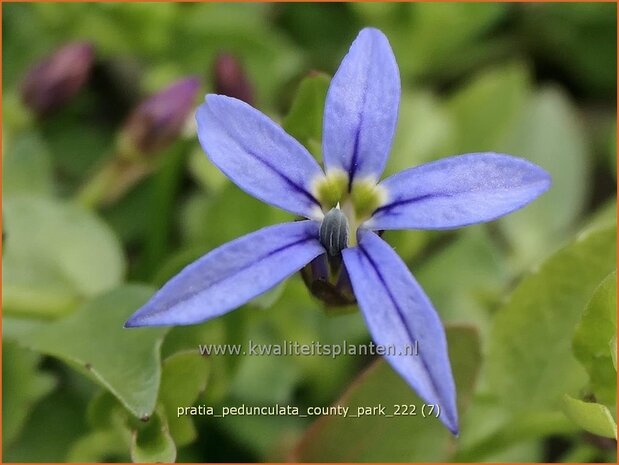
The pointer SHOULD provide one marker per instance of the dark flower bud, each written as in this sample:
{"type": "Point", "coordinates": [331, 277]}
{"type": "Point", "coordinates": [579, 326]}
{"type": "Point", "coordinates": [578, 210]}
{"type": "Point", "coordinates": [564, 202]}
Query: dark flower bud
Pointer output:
{"type": "Point", "coordinates": [327, 280]}
{"type": "Point", "coordinates": [53, 81]}
{"type": "Point", "coordinates": [159, 120]}
{"type": "Point", "coordinates": [230, 78]}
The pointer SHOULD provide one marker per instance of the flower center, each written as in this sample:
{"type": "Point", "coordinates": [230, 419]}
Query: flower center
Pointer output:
{"type": "Point", "coordinates": [334, 232]}
{"type": "Point", "coordinates": [346, 208]}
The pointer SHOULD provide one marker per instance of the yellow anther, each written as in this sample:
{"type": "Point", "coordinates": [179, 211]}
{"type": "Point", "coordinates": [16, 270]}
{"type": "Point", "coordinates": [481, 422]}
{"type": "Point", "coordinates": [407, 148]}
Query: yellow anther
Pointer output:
{"type": "Point", "coordinates": [329, 190]}
{"type": "Point", "coordinates": [366, 196]}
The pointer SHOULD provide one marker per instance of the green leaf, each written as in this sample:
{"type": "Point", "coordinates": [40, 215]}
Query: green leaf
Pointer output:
{"type": "Point", "coordinates": [124, 361]}
{"type": "Point", "coordinates": [489, 431]}
{"type": "Point", "coordinates": [116, 432]}
{"type": "Point", "coordinates": [55, 255]}
{"type": "Point", "coordinates": [304, 120]}
{"type": "Point", "coordinates": [26, 166]}
{"type": "Point", "coordinates": [550, 134]}
{"type": "Point", "coordinates": [576, 38]}
{"type": "Point", "coordinates": [105, 412]}
{"type": "Point", "coordinates": [152, 442]}
{"type": "Point", "coordinates": [613, 351]}
{"type": "Point", "coordinates": [75, 143]}
{"type": "Point", "coordinates": [486, 108]}
{"type": "Point", "coordinates": [265, 380]}
{"type": "Point", "coordinates": [425, 132]}
{"type": "Point", "coordinates": [210, 222]}
{"type": "Point", "coordinates": [217, 331]}
{"type": "Point", "coordinates": [604, 216]}
{"type": "Point", "coordinates": [205, 172]}
{"type": "Point", "coordinates": [183, 378]}
{"type": "Point", "coordinates": [421, 48]}
{"type": "Point", "coordinates": [188, 338]}
{"type": "Point", "coordinates": [593, 340]}
{"type": "Point", "coordinates": [396, 439]}
{"type": "Point", "coordinates": [52, 427]}
{"type": "Point", "coordinates": [408, 244]}
{"type": "Point", "coordinates": [16, 328]}
{"type": "Point", "coordinates": [24, 385]}
{"type": "Point", "coordinates": [298, 317]}
{"type": "Point", "coordinates": [530, 364]}
{"type": "Point", "coordinates": [97, 447]}
{"type": "Point", "coordinates": [475, 269]}
{"type": "Point", "coordinates": [590, 416]}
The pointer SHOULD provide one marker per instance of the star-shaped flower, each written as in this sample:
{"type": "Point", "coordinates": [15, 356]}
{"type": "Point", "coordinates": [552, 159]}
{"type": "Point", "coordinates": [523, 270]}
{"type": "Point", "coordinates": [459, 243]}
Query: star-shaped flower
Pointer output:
{"type": "Point", "coordinates": [344, 205]}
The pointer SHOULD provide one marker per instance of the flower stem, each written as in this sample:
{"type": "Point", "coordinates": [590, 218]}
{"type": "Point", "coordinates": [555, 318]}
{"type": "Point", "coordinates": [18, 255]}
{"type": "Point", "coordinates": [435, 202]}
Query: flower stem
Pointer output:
{"type": "Point", "coordinates": [113, 179]}
{"type": "Point", "coordinates": [163, 191]}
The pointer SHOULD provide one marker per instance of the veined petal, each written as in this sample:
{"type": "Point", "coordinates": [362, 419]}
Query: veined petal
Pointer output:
{"type": "Point", "coordinates": [398, 314]}
{"type": "Point", "coordinates": [458, 191]}
{"type": "Point", "coordinates": [232, 274]}
{"type": "Point", "coordinates": [258, 155]}
{"type": "Point", "coordinates": [361, 109]}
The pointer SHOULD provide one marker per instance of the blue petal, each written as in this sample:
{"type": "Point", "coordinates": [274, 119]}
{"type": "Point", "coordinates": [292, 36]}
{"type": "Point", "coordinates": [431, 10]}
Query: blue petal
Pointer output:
{"type": "Point", "coordinates": [458, 191]}
{"type": "Point", "coordinates": [361, 109]}
{"type": "Point", "coordinates": [230, 275]}
{"type": "Point", "coordinates": [258, 155]}
{"type": "Point", "coordinates": [398, 313]}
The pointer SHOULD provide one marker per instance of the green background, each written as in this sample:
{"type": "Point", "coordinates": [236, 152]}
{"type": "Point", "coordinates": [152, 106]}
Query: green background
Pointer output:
{"type": "Point", "coordinates": [528, 301]}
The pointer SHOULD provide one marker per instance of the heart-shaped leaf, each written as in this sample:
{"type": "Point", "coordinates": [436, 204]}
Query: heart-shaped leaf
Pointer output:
{"type": "Point", "coordinates": [124, 361]}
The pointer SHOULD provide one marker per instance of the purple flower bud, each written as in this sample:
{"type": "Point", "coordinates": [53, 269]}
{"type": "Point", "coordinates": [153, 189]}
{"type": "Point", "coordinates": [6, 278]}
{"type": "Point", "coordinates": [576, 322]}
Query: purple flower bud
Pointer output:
{"type": "Point", "coordinates": [56, 79]}
{"type": "Point", "coordinates": [158, 121]}
{"type": "Point", "coordinates": [231, 79]}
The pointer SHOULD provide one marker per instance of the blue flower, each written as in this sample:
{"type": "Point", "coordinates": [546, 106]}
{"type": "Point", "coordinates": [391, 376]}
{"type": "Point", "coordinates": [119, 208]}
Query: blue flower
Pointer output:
{"type": "Point", "coordinates": [344, 206]}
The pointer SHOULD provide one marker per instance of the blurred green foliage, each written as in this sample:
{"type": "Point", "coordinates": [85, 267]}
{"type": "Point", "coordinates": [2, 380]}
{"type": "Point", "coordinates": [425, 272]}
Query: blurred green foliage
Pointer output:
{"type": "Point", "coordinates": [336, 438]}
{"type": "Point", "coordinates": [593, 340]}
{"type": "Point", "coordinates": [528, 300]}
